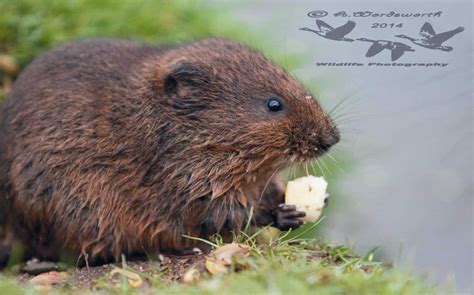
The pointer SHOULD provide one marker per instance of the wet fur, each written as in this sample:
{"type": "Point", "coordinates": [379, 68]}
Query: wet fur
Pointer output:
{"type": "Point", "coordinates": [111, 147]}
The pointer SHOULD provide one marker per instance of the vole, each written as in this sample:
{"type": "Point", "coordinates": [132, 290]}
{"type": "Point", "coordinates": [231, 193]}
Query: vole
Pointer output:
{"type": "Point", "coordinates": [111, 147]}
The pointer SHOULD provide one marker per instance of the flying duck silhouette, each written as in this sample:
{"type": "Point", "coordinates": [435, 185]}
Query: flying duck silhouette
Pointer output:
{"type": "Point", "coordinates": [328, 32]}
{"type": "Point", "coordinates": [397, 48]}
{"type": "Point", "coordinates": [429, 38]}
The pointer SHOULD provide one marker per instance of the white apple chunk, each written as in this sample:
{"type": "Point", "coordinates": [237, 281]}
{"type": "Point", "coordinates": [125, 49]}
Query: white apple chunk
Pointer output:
{"type": "Point", "coordinates": [307, 194]}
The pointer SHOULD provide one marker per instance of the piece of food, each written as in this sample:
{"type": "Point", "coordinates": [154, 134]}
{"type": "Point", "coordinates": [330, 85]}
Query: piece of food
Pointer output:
{"type": "Point", "coordinates": [307, 194]}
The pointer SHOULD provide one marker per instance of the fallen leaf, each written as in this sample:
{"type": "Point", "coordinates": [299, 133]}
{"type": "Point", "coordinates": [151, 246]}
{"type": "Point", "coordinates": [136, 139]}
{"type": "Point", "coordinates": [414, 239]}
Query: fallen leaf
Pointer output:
{"type": "Point", "coordinates": [134, 280]}
{"type": "Point", "coordinates": [220, 258]}
{"type": "Point", "coordinates": [49, 278]}
{"type": "Point", "coordinates": [229, 251]}
{"type": "Point", "coordinates": [215, 267]}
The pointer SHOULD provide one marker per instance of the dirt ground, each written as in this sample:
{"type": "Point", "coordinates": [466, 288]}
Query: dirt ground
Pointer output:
{"type": "Point", "coordinates": [88, 278]}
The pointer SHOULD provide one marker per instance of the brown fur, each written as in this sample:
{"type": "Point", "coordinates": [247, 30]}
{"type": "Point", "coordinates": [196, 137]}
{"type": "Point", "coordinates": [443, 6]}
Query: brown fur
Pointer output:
{"type": "Point", "coordinates": [111, 147]}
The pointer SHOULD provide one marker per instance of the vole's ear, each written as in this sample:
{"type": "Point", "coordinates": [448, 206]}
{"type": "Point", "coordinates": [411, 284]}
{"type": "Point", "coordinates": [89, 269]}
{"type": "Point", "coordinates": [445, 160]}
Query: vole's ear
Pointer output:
{"type": "Point", "coordinates": [183, 74]}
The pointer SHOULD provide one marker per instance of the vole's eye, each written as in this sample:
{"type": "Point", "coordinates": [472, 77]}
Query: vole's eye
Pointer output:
{"type": "Point", "coordinates": [274, 104]}
{"type": "Point", "coordinates": [170, 83]}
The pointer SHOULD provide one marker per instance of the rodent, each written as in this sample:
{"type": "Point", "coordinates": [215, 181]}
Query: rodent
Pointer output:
{"type": "Point", "coordinates": [111, 147]}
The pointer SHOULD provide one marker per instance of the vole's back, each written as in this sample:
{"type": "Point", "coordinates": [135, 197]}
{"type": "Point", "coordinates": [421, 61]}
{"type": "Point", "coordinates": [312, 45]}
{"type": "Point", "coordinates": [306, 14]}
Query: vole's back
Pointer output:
{"type": "Point", "coordinates": [90, 69]}
{"type": "Point", "coordinates": [65, 119]}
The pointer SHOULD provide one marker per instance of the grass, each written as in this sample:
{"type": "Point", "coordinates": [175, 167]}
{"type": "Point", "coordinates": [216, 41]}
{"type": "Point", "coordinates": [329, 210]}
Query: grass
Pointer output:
{"type": "Point", "coordinates": [29, 27]}
{"type": "Point", "coordinates": [283, 266]}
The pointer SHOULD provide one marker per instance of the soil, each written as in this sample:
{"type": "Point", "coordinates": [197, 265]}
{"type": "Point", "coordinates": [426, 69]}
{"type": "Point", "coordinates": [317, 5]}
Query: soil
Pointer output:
{"type": "Point", "coordinates": [168, 268]}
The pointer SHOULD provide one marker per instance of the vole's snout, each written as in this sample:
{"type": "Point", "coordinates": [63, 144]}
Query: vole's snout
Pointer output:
{"type": "Point", "coordinates": [329, 138]}
{"type": "Point", "coordinates": [322, 138]}
{"type": "Point", "coordinates": [310, 140]}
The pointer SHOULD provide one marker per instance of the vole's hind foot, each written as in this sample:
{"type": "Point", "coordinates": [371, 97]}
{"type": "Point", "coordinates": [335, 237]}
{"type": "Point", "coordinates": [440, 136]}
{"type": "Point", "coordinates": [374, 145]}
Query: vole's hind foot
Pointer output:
{"type": "Point", "coordinates": [286, 217]}
{"type": "Point", "coordinates": [4, 255]}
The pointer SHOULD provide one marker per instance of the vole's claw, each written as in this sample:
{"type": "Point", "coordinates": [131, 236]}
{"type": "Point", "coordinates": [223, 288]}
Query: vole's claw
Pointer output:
{"type": "Point", "coordinates": [286, 217]}
{"type": "Point", "coordinates": [293, 214]}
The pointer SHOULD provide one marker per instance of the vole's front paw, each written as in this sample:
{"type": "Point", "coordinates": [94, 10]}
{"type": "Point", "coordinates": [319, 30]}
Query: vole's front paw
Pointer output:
{"type": "Point", "coordinates": [286, 217]}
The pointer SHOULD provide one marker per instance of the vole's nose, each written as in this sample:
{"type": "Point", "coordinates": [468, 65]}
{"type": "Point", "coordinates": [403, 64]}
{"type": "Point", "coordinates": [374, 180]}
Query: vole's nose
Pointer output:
{"type": "Point", "coordinates": [328, 138]}
{"type": "Point", "coordinates": [334, 136]}
{"type": "Point", "coordinates": [314, 139]}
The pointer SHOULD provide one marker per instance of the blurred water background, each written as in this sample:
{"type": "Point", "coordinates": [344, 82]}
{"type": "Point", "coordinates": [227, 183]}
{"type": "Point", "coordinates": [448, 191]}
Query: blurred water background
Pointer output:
{"type": "Point", "coordinates": [407, 131]}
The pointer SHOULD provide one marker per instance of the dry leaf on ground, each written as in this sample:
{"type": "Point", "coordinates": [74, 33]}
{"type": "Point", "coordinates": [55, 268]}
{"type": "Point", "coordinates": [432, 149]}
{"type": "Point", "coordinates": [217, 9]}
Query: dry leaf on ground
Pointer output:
{"type": "Point", "coordinates": [229, 251]}
{"type": "Point", "coordinates": [134, 280]}
{"type": "Point", "coordinates": [49, 278]}
{"type": "Point", "coordinates": [220, 258]}
{"type": "Point", "coordinates": [215, 267]}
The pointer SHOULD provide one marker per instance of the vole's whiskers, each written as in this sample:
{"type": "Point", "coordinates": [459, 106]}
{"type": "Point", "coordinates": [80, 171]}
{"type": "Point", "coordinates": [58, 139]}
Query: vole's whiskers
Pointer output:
{"type": "Point", "coordinates": [326, 167]}
{"type": "Point", "coordinates": [343, 102]}
{"type": "Point", "coordinates": [336, 163]}
{"type": "Point", "coordinates": [344, 113]}
{"type": "Point", "coordinates": [339, 104]}
{"type": "Point", "coordinates": [313, 169]}
{"type": "Point", "coordinates": [268, 182]}
{"type": "Point", "coordinates": [348, 117]}
{"type": "Point", "coordinates": [320, 169]}
{"type": "Point", "coordinates": [352, 130]}
{"type": "Point", "coordinates": [294, 171]}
